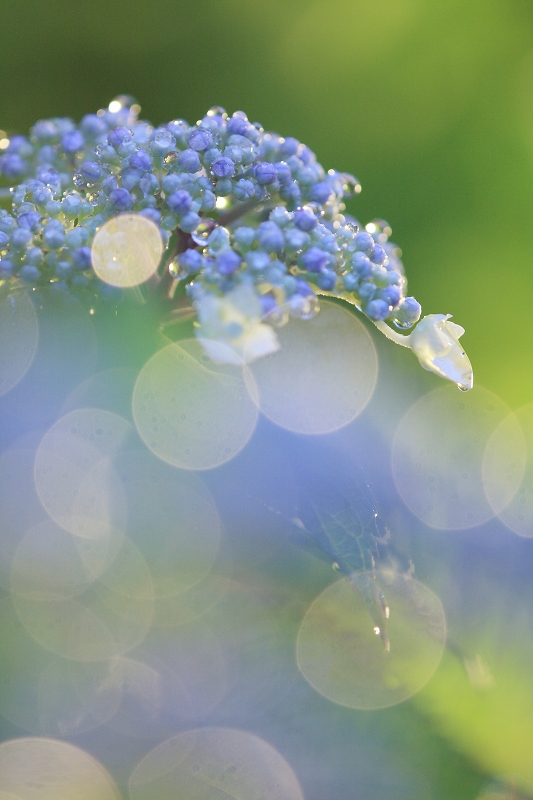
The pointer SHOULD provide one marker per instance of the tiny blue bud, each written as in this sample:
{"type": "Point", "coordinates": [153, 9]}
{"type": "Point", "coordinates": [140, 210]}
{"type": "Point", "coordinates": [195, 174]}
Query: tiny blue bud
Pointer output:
{"type": "Point", "coordinates": [116, 136]}
{"type": "Point", "coordinates": [109, 184]}
{"type": "Point", "coordinates": [257, 260]}
{"type": "Point", "coordinates": [152, 214]}
{"type": "Point", "coordinates": [191, 261]}
{"type": "Point", "coordinates": [91, 170]}
{"type": "Point", "coordinates": [53, 208]}
{"type": "Point", "coordinates": [314, 260]}
{"type": "Point", "coordinates": [280, 216]}
{"type": "Point", "coordinates": [81, 258]}
{"type": "Point", "coordinates": [72, 141]}
{"type": "Point", "coordinates": [20, 238]}
{"type": "Point", "coordinates": [189, 161]}
{"type": "Point", "coordinates": [92, 125]}
{"type": "Point", "coordinates": [296, 239]}
{"type": "Point", "coordinates": [200, 139]}
{"type": "Point", "coordinates": [350, 282]}
{"type": "Point", "coordinates": [391, 295]}
{"type": "Point", "coordinates": [367, 291]}
{"type": "Point", "coordinates": [361, 265]}
{"type": "Point", "coordinates": [6, 267]}
{"type": "Point", "coordinates": [80, 281]}
{"type": "Point", "coordinates": [327, 280]}
{"type": "Point", "coordinates": [244, 189]}
{"type": "Point", "coordinates": [30, 220]}
{"type": "Point", "coordinates": [270, 237]}
{"type": "Point", "coordinates": [12, 166]}
{"type": "Point", "coordinates": [378, 254]}
{"type": "Point", "coordinates": [321, 192]}
{"type": "Point", "coordinates": [70, 206]}
{"type": "Point", "coordinates": [29, 273]}
{"type": "Point", "coordinates": [268, 304]}
{"type": "Point", "coordinates": [265, 173]}
{"type": "Point", "coordinates": [53, 236]}
{"type": "Point", "coordinates": [180, 202]}
{"type": "Point", "coordinates": [209, 201]}
{"type": "Point", "coordinates": [305, 219]}
{"type": "Point", "coordinates": [290, 284]}
{"type": "Point", "coordinates": [140, 160]}
{"type": "Point", "coordinates": [304, 288]}
{"type": "Point", "coordinates": [408, 313]}
{"type": "Point", "coordinates": [223, 187]}
{"type": "Point", "coordinates": [290, 146]}
{"type": "Point", "coordinates": [377, 309]}
{"type": "Point", "coordinates": [190, 222]}
{"type": "Point", "coordinates": [283, 171]}
{"type": "Point", "coordinates": [4, 239]}
{"type": "Point", "coordinates": [76, 237]}
{"type": "Point", "coordinates": [41, 194]}
{"type": "Point", "coordinates": [364, 242]}
{"type": "Point", "coordinates": [223, 167]}
{"type": "Point", "coordinates": [121, 199]}
{"type": "Point", "coordinates": [244, 236]}
{"type": "Point", "coordinates": [228, 262]}
{"type": "Point", "coordinates": [238, 124]}
{"type": "Point", "coordinates": [149, 183]}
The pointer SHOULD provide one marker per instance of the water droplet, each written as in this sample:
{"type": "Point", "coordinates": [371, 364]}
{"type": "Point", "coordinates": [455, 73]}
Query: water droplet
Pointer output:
{"type": "Point", "coordinates": [201, 234]}
{"type": "Point", "coordinates": [170, 159]}
{"type": "Point", "coordinates": [217, 110]}
{"type": "Point", "coordinates": [78, 179]}
{"type": "Point", "coordinates": [463, 387]}
{"type": "Point", "coordinates": [177, 272]}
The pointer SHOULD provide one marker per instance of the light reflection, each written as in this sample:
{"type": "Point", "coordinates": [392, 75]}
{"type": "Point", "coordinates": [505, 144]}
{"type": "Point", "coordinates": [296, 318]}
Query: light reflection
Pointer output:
{"type": "Point", "coordinates": [206, 762]}
{"type": "Point", "coordinates": [19, 337]}
{"type": "Point", "coordinates": [48, 769]}
{"type": "Point", "coordinates": [341, 656]}
{"type": "Point", "coordinates": [322, 377]}
{"type": "Point", "coordinates": [126, 250]}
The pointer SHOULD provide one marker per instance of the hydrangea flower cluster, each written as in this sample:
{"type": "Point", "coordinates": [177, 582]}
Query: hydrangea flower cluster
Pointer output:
{"type": "Point", "coordinates": [292, 238]}
{"type": "Point", "coordinates": [243, 213]}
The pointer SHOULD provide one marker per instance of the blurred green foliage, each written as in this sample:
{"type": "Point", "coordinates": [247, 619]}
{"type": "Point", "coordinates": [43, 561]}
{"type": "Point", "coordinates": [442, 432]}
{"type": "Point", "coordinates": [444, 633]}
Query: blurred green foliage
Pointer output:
{"type": "Point", "coordinates": [430, 104]}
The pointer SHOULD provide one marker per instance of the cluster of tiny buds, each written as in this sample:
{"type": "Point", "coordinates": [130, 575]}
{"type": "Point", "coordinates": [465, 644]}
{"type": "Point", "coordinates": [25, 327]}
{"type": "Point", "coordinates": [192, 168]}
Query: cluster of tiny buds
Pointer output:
{"type": "Point", "coordinates": [235, 205]}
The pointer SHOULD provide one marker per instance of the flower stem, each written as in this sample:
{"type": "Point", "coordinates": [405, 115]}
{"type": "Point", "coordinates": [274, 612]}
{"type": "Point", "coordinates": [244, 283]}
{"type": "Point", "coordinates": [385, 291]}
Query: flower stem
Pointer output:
{"type": "Point", "coordinates": [394, 336]}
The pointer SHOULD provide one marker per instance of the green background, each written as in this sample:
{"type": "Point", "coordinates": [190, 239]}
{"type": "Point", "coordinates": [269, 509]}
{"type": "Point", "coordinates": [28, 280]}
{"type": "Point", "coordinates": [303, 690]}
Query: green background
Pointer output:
{"type": "Point", "coordinates": [430, 104]}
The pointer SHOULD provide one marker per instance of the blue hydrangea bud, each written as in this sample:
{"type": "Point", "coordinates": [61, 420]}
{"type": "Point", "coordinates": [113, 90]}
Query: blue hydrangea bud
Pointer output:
{"type": "Point", "coordinates": [228, 262]}
{"type": "Point", "coordinates": [244, 236]}
{"type": "Point", "coordinates": [290, 146]}
{"type": "Point", "coordinates": [321, 192]}
{"type": "Point", "coordinates": [377, 309]}
{"type": "Point", "coordinates": [149, 183]}
{"type": "Point", "coordinates": [191, 261]}
{"type": "Point", "coordinates": [20, 238]}
{"type": "Point", "coordinates": [121, 199]}
{"type": "Point", "coordinates": [223, 187]}
{"type": "Point", "coordinates": [314, 260]}
{"type": "Point", "coordinates": [190, 222]}
{"type": "Point", "coordinates": [81, 258]}
{"type": "Point", "coordinates": [4, 239]}
{"type": "Point", "coordinates": [296, 239]}
{"type": "Point", "coordinates": [290, 284]}
{"type": "Point", "coordinates": [223, 167]}
{"type": "Point", "coordinates": [109, 185]}
{"type": "Point", "coordinates": [152, 214]}
{"type": "Point", "coordinates": [189, 161]}
{"type": "Point", "coordinates": [238, 124]}
{"type": "Point", "coordinates": [209, 201]}
{"type": "Point", "coordinates": [171, 182]}
{"type": "Point", "coordinates": [244, 189]}
{"type": "Point", "coordinates": [92, 125]}
{"type": "Point", "coordinates": [54, 235]}
{"type": "Point", "coordinates": [290, 192]}
{"type": "Point", "coordinates": [280, 216]}
{"type": "Point", "coordinates": [218, 239]}
{"type": "Point", "coordinates": [91, 171]}
{"type": "Point", "coordinates": [305, 219]}
{"type": "Point", "coordinates": [180, 202]}
{"type": "Point", "coordinates": [327, 280]}
{"type": "Point", "coordinates": [141, 160]}
{"type": "Point", "coordinates": [71, 206]}
{"type": "Point", "coordinates": [408, 313]}
{"type": "Point", "coordinates": [29, 273]}
{"type": "Point", "coordinates": [12, 166]}
{"type": "Point", "coordinates": [270, 237]}
{"type": "Point", "coordinates": [283, 171]}
{"type": "Point", "coordinates": [200, 139]}
{"type": "Point", "coordinates": [6, 267]}
{"type": "Point", "coordinates": [378, 255]}
{"type": "Point", "coordinates": [257, 260]}
{"type": "Point", "coordinates": [364, 242]}
{"type": "Point", "coordinates": [72, 141]}
{"type": "Point", "coordinates": [76, 237]}
{"type": "Point", "coordinates": [41, 194]}
{"type": "Point", "coordinates": [30, 220]}
{"type": "Point", "coordinates": [351, 282]}
{"type": "Point", "coordinates": [391, 295]}
{"type": "Point", "coordinates": [367, 291]}
{"type": "Point", "coordinates": [116, 136]}
{"type": "Point", "coordinates": [79, 281]}
{"type": "Point", "coordinates": [268, 305]}
{"type": "Point", "coordinates": [265, 173]}
{"type": "Point", "coordinates": [53, 208]}
{"type": "Point", "coordinates": [361, 265]}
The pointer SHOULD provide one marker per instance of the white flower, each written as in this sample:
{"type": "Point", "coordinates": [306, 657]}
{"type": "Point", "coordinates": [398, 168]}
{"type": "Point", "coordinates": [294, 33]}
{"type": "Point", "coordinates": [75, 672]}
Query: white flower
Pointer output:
{"type": "Point", "coordinates": [230, 328]}
{"type": "Point", "coordinates": [435, 342]}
